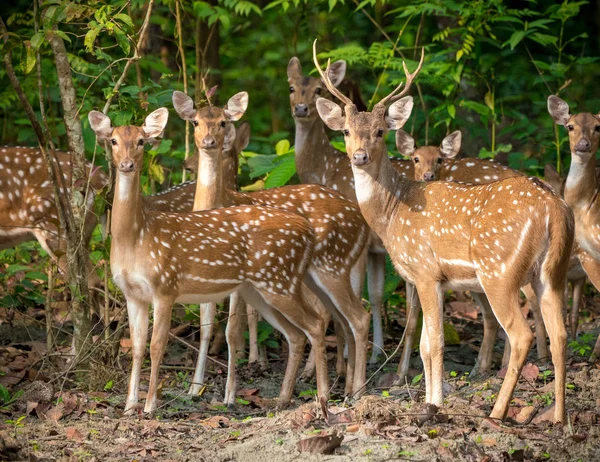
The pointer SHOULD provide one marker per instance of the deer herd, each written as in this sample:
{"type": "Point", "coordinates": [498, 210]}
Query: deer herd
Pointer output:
{"type": "Point", "coordinates": [298, 255]}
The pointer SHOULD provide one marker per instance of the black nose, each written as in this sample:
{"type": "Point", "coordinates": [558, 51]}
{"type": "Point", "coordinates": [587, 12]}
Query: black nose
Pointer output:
{"type": "Point", "coordinates": [126, 165]}
{"type": "Point", "coordinates": [301, 110]}
{"type": "Point", "coordinates": [428, 176]}
{"type": "Point", "coordinates": [209, 142]}
{"type": "Point", "coordinates": [360, 157]}
{"type": "Point", "coordinates": [583, 145]}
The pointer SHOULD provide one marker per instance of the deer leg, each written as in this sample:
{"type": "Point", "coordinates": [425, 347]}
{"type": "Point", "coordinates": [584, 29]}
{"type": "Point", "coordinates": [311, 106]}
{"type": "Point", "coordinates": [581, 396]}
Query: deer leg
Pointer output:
{"type": "Point", "coordinates": [137, 312]}
{"type": "Point", "coordinates": [413, 307]}
{"type": "Point", "coordinates": [232, 336]}
{"type": "Point", "coordinates": [432, 340]}
{"type": "Point", "coordinates": [309, 368]}
{"type": "Point", "coordinates": [540, 330]}
{"type": "Point", "coordinates": [552, 302]}
{"type": "Point", "coordinates": [578, 285]}
{"type": "Point", "coordinates": [252, 334]}
{"type": "Point", "coordinates": [376, 280]}
{"type": "Point", "coordinates": [207, 318]}
{"type": "Point", "coordinates": [158, 344]}
{"type": "Point", "coordinates": [341, 333]}
{"type": "Point", "coordinates": [274, 308]}
{"type": "Point", "coordinates": [483, 364]}
{"type": "Point", "coordinates": [505, 304]}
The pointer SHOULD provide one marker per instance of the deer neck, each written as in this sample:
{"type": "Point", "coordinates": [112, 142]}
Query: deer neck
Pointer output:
{"type": "Point", "coordinates": [128, 218]}
{"type": "Point", "coordinates": [379, 193]}
{"type": "Point", "coordinates": [580, 187]}
{"type": "Point", "coordinates": [209, 184]}
{"type": "Point", "coordinates": [312, 149]}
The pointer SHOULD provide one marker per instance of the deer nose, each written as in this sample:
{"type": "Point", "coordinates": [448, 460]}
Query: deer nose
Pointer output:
{"type": "Point", "coordinates": [301, 110]}
{"type": "Point", "coordinates": [126, 165]}
{"type": "Point", "coordinates": [428, 176]}
{"type": "Point", "coordinates": [360, 157]}
{"type": "Point", "coordinates": [583, 145]}
{"type": "Point", "coordinates": [209, 142]}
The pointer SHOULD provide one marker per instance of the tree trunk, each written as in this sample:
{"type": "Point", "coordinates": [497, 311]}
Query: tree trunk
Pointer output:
{"type": "Point", "coordinates": [76, 244]}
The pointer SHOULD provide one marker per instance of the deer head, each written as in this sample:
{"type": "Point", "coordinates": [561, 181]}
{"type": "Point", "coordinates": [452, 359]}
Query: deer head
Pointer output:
{"type": "Point", "coordinates": [583, 128]}
{"type": "Point", "coordinates": [128, 141]}
{"type": "Point", "coordinates": [365, 132]}
{"type": "Point", "coordinates": [304, 91]}
{"type": "Point", "coordinates": [213, 130]}
{"type": "Point", "coordinates": [428, 159]}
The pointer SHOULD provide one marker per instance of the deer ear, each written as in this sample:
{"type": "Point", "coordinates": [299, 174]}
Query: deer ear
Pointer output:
{"type": "Point", "coordinates": [558, 109]}
{"type": "Point", "coordinates": [405, 144]}
{"type": "Point", "coordinates": [294, 69]}
{"type": "Point", "coordinates": [451, 144]}
{"type": "Point", "coordinates": [242, 137]}
{"type": "Point", "coordinates": [331, 114]}
{"type": "Point", "coordinates": [101, 125]}
{"type": "Point", "coordinates": [399, 112]}
{"type": "Point", "coordinates": [184, 105]}
{"type": "Point", "coordinates": [156, 122]}
{"type": "Point", "coordinates": [229, 139]}
{"type": "Point", "coordinates": [337, 71]}
{"type": "Point", "coordinates": [552, 177]}
{"type": "Point", "coordinates": [236, 106]}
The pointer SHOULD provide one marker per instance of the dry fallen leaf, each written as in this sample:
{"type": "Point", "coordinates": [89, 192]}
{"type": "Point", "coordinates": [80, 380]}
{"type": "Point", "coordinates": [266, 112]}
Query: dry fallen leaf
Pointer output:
{"type": "Point", "coordinates": [320, 444]}
{"type": "Point", "coordinates": [530, 371]}
{"type": "Point", "coordinates": [73, 434]}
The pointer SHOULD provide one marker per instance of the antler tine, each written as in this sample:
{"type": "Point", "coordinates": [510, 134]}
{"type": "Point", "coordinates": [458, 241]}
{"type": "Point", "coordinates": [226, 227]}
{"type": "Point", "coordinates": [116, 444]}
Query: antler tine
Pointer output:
{"type": "Point", "coordinates": [325, 76]}
{"type": "Point", "coordinates": [409, 79]}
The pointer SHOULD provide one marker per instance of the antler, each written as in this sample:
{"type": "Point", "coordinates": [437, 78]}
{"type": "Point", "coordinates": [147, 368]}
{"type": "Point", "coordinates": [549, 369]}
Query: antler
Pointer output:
{"type": "Point", "coordinates": [325, 76]}
{"type": "Point", "coordinates": [409, 79]}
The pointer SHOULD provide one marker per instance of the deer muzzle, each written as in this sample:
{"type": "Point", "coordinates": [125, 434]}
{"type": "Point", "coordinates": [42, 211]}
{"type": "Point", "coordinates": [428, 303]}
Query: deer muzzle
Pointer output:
{"type": "Point", "coordinates": [428, 176]}
{"type": "Point", "coordinates": [126, 166]}
{"type": "Point", "coordinates": [209, 142]}
{"type": "Point", "coordinates": [360, 157]}
{"type": "Point", "coordinates": [301, 110]}
{"type": "Point", "coordinates": [583, 145]}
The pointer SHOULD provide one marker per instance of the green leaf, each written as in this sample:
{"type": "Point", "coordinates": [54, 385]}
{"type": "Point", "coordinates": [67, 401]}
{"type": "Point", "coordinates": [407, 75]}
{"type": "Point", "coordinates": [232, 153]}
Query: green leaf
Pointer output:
{"type": "Point", "coordinates": [543, 39]}
{"type": "Point", "coordinates": [125, 19]}
{"type": "Point", "coordinates": [281, 174]}
{"type": "Point", "coordinates": [451, 110]}
{"type": "Point", "coordinates": [27, 58]}
{"type": "Point", "coordinates": [282, 147]}
{"type": "Point", "coordinates": [122, 40]}
{"type": "Point", "coordinates": [459, 54]}
{"type": "Point", "coordinates": [489, 100]}
{"type": "Point", "coordinates": [37, 40]}
{"type": "Point", "coordinates": [91, 35]}
{"type": "Point", "coordinates": [332, 5]}
{"type": "Point", "coordinates": [516, 38]}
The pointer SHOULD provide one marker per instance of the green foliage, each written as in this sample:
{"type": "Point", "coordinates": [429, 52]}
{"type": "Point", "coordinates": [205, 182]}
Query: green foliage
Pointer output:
{"type": "Point", "coordinates": [7, 399]}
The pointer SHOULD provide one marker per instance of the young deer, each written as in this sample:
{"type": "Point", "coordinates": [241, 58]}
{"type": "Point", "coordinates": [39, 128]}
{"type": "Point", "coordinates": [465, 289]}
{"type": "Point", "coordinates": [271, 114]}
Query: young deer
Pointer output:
{"type": "Point", "coordinates": [581, 188]}
{"type": "Point", "coordinates": [340, 231]}
{"type": "Point", "coordinates": [161, 258]}
{"type": "Point", "coordinates": [27, 207]}
{"type": "Point", "coordinates": [318, 162]}
{"type": "Point", "coordinates": [443, 235]}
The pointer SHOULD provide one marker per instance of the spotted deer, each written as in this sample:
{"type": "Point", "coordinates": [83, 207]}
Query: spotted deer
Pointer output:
{"type": "Point", "coordinates": [318, 162]}
{"type": "Point", "coordinates": [492, 238]}
{"type": "Point", "coordinates": [161, 258]}
{"type": "Point", "coordinates": [582, 185]}
{"type": "Point", "coordinates": [27, 207]}
{"type": "Point", "coordinates": [341, 233]}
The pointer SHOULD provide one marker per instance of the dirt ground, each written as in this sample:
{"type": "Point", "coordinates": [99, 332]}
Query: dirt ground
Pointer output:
{"type": "Point", "coordinates": [58, 418]}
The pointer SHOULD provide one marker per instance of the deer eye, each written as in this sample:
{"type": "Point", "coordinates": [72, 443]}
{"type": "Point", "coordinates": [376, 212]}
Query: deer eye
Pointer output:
{"type": "Point", "coordinates": [114, 142]}
{"type": "Point", "coordinates": [223, 123]}
{"type": "Point", "coordinates": [346, 132]}
{"type": "Point", "coordinates": [318, 90]}
{"type": "Point", "coordinates": [440, 160]}
{"type": "Point", "coordinates": [141, 142]}
{"type": "Point", "coordinates": [380, 132]}
{"type": "Point", "coordinates": [570, 128]}
{"type": "Point", "coordinates": [291, 89]}
{"type": "Point", "coordinates": [416, 160]}
{"type": "Point", "coordinates": [597, 128]}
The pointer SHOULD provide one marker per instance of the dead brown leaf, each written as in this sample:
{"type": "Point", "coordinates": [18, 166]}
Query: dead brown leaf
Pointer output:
{"type": "Point", "coordinates": [463, 309]}
{"type": "Point", "coordinates": [73, 434]}
{"type": "Point", "coordinates": [56, 413]}
{"type": "Point", "coordinates": [530, 372]}
{"type": "Point", "coordinates": [321, 444]}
